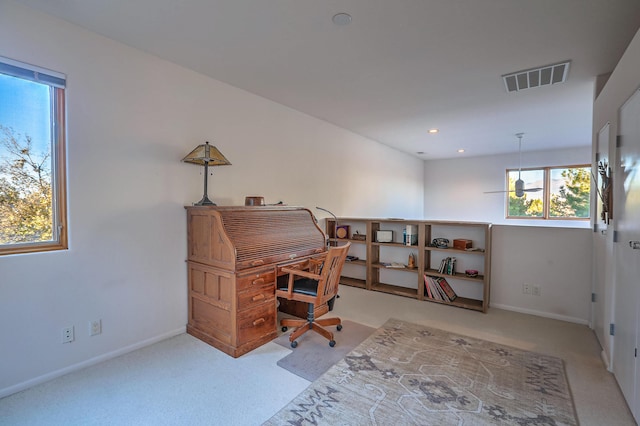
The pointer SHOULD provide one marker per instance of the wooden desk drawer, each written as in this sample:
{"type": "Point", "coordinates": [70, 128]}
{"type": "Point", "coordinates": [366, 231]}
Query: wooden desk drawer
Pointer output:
{"type": "Point", "coordinates": [256, 279]}
{"type": "Point", "coordinates": [254, 297]}
{"type": "Point", "coordinates": [255, 323]}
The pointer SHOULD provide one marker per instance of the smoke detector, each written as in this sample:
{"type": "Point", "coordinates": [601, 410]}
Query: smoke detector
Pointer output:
{"type": "Point", "coordinates": [536, 77]}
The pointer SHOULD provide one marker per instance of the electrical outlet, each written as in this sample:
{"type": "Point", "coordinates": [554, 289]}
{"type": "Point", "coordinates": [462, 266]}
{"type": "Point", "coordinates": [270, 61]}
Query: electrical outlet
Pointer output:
{"type": "Point", "coordinates": [95, 327]}
{"type": "Point", "coordinates": [67, 335]}
{"type": "Point", "coordinates": [535, 290]}
{"type": "Point", "coordinates": [526, 288]}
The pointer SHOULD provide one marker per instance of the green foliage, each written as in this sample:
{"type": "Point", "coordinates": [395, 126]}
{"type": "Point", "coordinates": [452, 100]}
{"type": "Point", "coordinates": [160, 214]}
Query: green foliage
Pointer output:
{"type": "Point", "coordinates": [523, 207]}
{"type": "Point", "coordinates": [573, 198]}
{"type": "Point", "coordinates": [571, 201]}
{"type": "Point", "coordinates": [25, 190]}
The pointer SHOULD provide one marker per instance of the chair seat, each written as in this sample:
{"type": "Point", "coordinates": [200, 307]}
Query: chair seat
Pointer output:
{"type": "Point", "coordinates": [306, 286]}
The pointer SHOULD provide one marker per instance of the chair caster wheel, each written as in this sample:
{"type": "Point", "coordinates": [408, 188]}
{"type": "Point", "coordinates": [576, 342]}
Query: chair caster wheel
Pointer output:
{"type": "Point", "coordinates": [284, 328]}
{"type": "Point", "coordinates": [294, 344]}
{"type": "Point", "coordinates": [332, 343]}
{"type": "Point", "coordinates": [339, 327]}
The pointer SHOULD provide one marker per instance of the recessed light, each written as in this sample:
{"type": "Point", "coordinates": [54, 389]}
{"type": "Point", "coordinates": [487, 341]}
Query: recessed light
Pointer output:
{"type": "Point", "coordinates": [433, 130]}
{"type": "Point", "coordinates": [341, 19]}
{"type": "Point", "coordinates": [461, 150]}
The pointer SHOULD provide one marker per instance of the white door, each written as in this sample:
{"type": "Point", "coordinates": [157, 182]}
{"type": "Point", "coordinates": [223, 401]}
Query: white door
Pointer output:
{"type": "Point", "coordinates": [627, 254]}
{"type": "Point", "coordinates": [601, 311]}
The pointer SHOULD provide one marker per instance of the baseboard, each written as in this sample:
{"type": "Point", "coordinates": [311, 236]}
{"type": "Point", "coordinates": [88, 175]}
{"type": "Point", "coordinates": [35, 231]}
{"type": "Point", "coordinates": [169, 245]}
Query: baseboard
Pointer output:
{"type": "Point", "coordinates": [92, 361]}
{"type": "Point", "coordinates": [541, 314]}
{"type": "Point", "coordinates": [605, 360]}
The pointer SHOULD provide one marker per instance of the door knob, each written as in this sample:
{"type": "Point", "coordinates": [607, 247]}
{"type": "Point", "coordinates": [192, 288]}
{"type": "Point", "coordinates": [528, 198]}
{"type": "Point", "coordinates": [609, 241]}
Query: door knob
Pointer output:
{"type": "Point", "coordinates": [634, 245]}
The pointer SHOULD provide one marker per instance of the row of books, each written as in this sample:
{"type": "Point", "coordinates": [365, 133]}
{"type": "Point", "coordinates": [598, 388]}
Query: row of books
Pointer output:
{"type": "Point", "coordinates": [439, 289]}
{"type": "Point", "coordinates": [448, 266]}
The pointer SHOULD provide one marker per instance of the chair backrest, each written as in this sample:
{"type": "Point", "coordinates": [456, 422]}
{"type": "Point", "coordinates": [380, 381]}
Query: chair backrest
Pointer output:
{"type": "Point", "coordinates": [330, 275]}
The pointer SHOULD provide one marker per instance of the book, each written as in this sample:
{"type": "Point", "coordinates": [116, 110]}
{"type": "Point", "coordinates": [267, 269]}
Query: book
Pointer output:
{"type": "Point", "coordinates": [443, 295]}
{"type": "Point", "coordinates": [451, 295]}
{"type": "Point", "coordinates": [433, 290]}
{"type": "Point", "coordinates": [443, 265]}
{"type": "Point", "coordinates": [451, 266]}
{"type": "Point", "coordinates": [426, 285]}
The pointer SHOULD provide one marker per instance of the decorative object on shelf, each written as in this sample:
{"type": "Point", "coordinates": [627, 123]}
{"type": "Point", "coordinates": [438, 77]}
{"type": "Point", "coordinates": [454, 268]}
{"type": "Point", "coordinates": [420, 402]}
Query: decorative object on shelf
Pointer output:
{"type": "Point", "coordinates": [359, 237]}
{"type": "Point", "coordinates": [384, 236]}
{"type": "Point", "coordinates": [335, 226]}
{"type": "Point", "coordinates": [411, 235]}
{"type": "Point", "coordinates": [441, 243]}
{"type": "Point", "coordinates": [342, 231]}
{"type": "Point", "coordinates": [411, 263]}
{"type": "Point", "coordinates": [462, 244]}
{"type": "Point", "coordinates": [206, 155]}
{"type": "Point", "coordinates": [392, 265]}
{"type": "Point", "coordinates": [254, 201]}
{"type": "Point", "coordinates": [472, 273]}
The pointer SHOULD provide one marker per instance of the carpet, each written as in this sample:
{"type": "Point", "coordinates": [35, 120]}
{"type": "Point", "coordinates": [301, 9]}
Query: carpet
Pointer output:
{"type": "Point", "coordinates": [313, 356]}
{"type": "Point", "coordinates": [410, 374]}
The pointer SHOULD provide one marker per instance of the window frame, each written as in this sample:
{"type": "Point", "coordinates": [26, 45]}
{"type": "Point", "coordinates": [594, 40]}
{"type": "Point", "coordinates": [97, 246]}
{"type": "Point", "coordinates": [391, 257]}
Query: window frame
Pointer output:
{"type": "Point", "coordinates": [546, 196]}
{"type": "Point", "coordinates": [57, 145]}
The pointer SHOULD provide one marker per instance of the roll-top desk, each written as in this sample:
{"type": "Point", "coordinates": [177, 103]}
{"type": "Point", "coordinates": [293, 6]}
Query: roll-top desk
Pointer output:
{"type": "Point", "coordinates": [233, 258]}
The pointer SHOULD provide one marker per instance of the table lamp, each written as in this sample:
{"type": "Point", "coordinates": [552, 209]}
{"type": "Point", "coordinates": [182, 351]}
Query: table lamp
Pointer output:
{"type": "Point", "coordinates": [206, 155]}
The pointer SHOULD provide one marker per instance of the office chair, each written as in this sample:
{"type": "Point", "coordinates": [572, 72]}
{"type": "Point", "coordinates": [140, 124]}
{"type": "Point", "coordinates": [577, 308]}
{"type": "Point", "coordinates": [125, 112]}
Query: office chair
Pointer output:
{"type": "Point", "coordinates": [315, 284]}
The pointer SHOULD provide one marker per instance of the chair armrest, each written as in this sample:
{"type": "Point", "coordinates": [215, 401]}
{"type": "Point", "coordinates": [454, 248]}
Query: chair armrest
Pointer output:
{"type": "Point", "coordinates": [301, 273]}
{"type": "Point", "coordinates": [293, 272]}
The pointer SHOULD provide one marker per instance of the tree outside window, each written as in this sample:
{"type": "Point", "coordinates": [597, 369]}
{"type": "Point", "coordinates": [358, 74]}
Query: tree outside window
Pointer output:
{"type": "Point", "coordinates": [32, 167]}
{"type": "Point", "coordinates": [551, 193]}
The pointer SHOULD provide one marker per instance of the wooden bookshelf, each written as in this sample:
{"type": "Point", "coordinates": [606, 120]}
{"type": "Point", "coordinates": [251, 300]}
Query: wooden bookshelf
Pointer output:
{"type": "Point", "coordinates": [472, 292]}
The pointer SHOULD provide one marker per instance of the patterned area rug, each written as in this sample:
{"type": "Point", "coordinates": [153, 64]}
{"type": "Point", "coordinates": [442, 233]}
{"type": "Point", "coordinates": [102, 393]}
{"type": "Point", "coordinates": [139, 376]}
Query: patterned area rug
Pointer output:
{"type": "Point", "coordinates": [407, 374]}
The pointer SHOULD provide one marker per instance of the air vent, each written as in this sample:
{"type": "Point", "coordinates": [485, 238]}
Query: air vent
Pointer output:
{"type": "Point", "coordinates": [537, 77]}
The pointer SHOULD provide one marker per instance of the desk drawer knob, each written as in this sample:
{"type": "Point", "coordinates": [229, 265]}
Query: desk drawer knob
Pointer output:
{"type": "Point", "coordinates": [258, 321]}
{"type": "Point", "coordinates": [257, 297]}
{"type": "Point", "coordinates": [259, 281]}
{"type": "Point", "coordinates": [257, 262]}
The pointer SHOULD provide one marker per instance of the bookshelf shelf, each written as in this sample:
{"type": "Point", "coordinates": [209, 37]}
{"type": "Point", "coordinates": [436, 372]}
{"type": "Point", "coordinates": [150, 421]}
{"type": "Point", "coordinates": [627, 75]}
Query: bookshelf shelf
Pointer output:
{"type": "Point", "coordinates": [353, 282]}
{"type": "Point", "coordinates": [452, 250]}
{"type": "Point", "coordinates": [457, 275]}
{"type": "Point", "coordinates": [348, 239]}
{"type": "Point", "coordinates": [470, 292]}
{"type": "Point", "coordinates": [397, 290]}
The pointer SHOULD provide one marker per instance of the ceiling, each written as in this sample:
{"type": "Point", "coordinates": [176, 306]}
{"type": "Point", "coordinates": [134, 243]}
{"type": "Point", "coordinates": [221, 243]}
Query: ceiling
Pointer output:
{"type": "Point", "coordinates": [400, 68]}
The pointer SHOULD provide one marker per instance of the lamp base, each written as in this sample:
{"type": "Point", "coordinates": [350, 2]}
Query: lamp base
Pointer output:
{"type": "Point", "coordinates": [205, 202]}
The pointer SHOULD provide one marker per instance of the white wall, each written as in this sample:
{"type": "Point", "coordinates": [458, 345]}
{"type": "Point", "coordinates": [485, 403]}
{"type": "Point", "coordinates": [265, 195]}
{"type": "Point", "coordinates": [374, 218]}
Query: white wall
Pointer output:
{"type": "Point", "coordinates": [621, 84]}
{"type": "Point", "coordinates": [554, 259]}
{"type": "Point", "coordinates": [454, 189]}
{"type": "Point", "coordinates": [131, 118]}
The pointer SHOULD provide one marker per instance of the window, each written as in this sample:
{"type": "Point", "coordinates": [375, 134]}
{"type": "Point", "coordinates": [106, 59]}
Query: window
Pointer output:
{"type": "Point", "coordinates": [550, 193]}
{"type": "Point", "coordinates": [32, 159]}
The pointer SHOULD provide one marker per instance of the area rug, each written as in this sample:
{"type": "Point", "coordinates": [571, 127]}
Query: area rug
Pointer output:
{"type": "Point", "coordinates": [407, 374]}
{"type": "Point", "coordinates": [313, 356]}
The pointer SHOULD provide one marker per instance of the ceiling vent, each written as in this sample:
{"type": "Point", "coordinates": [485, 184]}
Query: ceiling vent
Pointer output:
{"type": "Point", "coordinates": [536, 77]}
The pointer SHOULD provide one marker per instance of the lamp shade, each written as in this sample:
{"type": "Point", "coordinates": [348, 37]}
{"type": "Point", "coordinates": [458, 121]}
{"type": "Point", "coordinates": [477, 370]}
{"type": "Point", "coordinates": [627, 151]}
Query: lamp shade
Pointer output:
{"type": "Point", "coordinates": [206, 154]}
